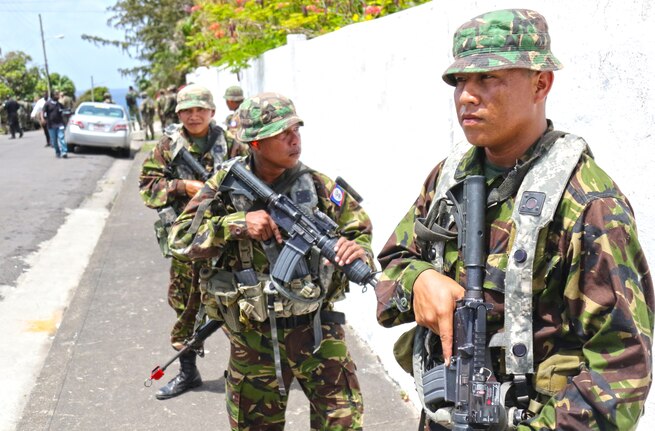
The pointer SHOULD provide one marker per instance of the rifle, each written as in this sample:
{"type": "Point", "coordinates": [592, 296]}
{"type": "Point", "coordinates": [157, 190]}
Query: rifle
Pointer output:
{"type": "Point", "coordinates": [194, 342]}
{"type": "Point", "coordinates": [193, 164]}
{"type": "Point", "coordinates": [304, 231]}
{"type": "Point", "coordinates": [465, 382]}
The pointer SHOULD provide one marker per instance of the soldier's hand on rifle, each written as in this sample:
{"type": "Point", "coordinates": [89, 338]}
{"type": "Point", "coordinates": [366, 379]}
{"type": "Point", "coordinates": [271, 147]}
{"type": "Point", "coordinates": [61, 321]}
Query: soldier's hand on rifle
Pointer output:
{"type": "Point", "coordinates": [191, 187]}
{"type": "Point", "coordinates": [347, 251]}
{"type": "Point", "coordinates": [434, 301]}
{"type": "Point", "coordinates": [262, 227]}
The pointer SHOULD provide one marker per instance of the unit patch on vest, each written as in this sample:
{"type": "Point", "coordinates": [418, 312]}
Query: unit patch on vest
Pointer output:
{"type": "Point", "coordinates": [532, 203]}
{"type": "Point", "coordinates": [337, 195]}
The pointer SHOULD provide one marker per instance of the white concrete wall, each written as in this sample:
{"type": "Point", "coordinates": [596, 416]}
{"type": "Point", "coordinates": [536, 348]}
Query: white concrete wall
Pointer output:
{"type": "Point", "coordinates": [377, 112]}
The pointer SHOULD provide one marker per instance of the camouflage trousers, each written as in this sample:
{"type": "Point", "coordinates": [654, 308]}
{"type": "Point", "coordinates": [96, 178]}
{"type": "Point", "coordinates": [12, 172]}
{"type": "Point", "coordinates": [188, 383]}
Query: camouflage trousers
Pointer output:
{"type": "Point", "coordinates": [184, 298]}
{"type": "Point", "coordinates": [327, 378]}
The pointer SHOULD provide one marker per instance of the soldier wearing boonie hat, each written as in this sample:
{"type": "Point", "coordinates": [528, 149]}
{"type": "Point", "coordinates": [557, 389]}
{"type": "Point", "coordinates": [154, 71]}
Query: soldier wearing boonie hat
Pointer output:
{"type": "Point", "coordinates": [167, 184]}
{"type": "Point", "coordinates": [505, 39]}
{"type": "Point", "coordinates": [564, 270]}
{"type": "Point", "coordinates": [233, 98]}
{"type": "Point", "coordinates": [238, 235]}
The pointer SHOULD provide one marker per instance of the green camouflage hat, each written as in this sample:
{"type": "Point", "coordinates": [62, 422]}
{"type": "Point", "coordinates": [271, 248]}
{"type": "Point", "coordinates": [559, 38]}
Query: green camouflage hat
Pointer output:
{"type": "Point", "coordinates": [265, 115]}
{"type": "Point", "coordinates": [503, 39]}
{"type": "Point", "coordinates": [194, 96]}
{"type": "Point", "coordinates": [234, 94]}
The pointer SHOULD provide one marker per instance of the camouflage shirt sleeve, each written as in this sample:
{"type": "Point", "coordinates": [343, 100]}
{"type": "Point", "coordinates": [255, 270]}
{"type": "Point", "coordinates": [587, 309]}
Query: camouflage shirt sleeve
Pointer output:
{"type": "Point", "coordinates": [157, 186]}
{"type": "Point", "coordinates": [401, 261]}
{"type": "Point", "coordinates": [607, 316]}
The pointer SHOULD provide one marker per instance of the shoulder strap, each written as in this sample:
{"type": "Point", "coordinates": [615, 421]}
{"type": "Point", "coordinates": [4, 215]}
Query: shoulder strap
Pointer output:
{"type": "Point", "coordinates": [537, 199]}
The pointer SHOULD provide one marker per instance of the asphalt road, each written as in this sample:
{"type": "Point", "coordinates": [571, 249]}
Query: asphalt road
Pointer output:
{"type": "Point", "coordinates": [114, 330]}
{"type": "Point", "coordinates": [38, 190]}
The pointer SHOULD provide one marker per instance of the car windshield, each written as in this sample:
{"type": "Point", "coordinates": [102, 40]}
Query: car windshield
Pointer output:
{"type": "Point", "coordinates": [101, 112]}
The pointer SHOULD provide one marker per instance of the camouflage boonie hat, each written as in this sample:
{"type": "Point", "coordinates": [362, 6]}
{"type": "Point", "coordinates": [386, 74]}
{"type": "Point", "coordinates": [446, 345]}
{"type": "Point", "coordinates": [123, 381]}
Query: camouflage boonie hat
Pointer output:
{"type": "Point", "coordinates": [194, 96]}
{"type": "Point", "coordinates": [265, 115]}
{"type": "Point", "coordinates": [503, 39]}
{"type": "Point", "coordinates": [234, 94]}
{"type": "Point", "coordinates": [172, 88]}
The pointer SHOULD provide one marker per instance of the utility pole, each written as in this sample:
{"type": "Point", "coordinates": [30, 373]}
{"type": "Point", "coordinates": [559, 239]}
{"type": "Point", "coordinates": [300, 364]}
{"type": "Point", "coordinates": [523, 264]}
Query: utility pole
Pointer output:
{"type": "Point", "coordinates": [93, 96]}
{"type": "Point", "coordinates": [45, 57]}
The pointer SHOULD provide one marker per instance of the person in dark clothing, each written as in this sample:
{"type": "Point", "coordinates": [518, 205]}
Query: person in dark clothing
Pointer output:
{"type": "Point", "coordinates": [53, 115]}
{"type": "Point", "coordinates": [12, 107]}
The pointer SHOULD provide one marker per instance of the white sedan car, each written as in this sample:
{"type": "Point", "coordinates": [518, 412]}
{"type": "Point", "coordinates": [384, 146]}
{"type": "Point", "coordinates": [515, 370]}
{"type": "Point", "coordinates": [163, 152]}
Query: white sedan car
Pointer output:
{"type": "Point", "coordinates": [102, 125]}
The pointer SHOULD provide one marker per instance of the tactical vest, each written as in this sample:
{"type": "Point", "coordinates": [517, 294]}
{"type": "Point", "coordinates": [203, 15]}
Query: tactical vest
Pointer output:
{"type": "Point", "coordinates": [218, 149]}
{"type": "Point", "coordinates": [536, 202]}
{"type": "Point", "coordinates": [237, 299]}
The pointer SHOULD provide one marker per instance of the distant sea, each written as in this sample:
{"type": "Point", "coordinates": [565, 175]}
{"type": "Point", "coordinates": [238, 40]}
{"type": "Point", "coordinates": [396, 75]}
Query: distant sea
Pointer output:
{"type": "Point", "coordinates": [118, 94]}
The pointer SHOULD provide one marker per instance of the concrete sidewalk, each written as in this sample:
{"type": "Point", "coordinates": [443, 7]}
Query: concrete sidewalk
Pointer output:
{"type": "Point", "coordinates": [116, 330]}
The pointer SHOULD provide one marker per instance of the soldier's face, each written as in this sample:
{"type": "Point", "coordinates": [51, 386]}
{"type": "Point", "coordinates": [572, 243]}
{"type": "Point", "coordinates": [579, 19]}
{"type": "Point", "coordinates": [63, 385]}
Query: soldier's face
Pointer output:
{"type": "Point", "coordinates": [281, 151]}
{"type": "Point", "coordinates": [196, 120]}
{"type": "Point", "coordinates": [493, 108]}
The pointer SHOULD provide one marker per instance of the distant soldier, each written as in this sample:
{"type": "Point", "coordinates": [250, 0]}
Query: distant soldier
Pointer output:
{"type": "Point", "coordinates": [169, 108]}
{"type": "Point", "coordinates": [161, 105]}
{"type": "Point", "coordinates": [107, 98]}
{"type": "Point", "coordinates": [133, 109]}
{"type": "Point", "coordinates": [147, 110]}
{"type": "Point", "coordinates": [233, 98]}
{"type": "Point", "coordinates": [11, 108]}
{"type": "Point", "coordinates": [24, 115]}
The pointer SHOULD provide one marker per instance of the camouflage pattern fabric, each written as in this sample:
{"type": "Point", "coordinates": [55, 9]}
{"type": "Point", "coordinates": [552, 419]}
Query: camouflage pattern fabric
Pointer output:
{"type": "Point", "coordinates": [194, 96]}
{"type": "Point", "coordinates": [147, 110]}
{"type": "Point", "coordinates": [265, 115]}
{"type": "Point", "coordinates": [233, 93]}
{"type": "Point", "coordinates": [504, 39]}
{"type": "Point", "coordinates": [327, 378]}
{"type": "Point", "coordinates": [184, 298]}
{"type": "Point", "coordinates": [232, 124]}
{"type": "Point", "coordinates": [252, 372]}
{"type": "Point", "coordinates": [592, 296]}
{"type": "Point", "coordinates": [159, 188]}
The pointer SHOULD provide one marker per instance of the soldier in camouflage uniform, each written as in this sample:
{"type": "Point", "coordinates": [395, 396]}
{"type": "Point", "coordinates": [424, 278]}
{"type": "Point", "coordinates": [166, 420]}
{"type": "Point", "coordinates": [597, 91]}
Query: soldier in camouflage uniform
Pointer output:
{"type": "Point", "coordinates": [147, 110]}
{"type": "Point", "coordinates": [237, 235]}
{"type": "Point", "coordinates": [233, 99]}
{"type": "Point", "coordinates": [591, 319]}
{"type": "Point", "coordinates": [170, 111]}
{"type": "Point", "coordinates": [167, 184]}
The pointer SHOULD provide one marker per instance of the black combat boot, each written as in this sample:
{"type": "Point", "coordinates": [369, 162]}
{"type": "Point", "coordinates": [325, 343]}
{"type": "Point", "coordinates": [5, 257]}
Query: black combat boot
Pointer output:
{"type": "Point", "coordinates": [188, 378]}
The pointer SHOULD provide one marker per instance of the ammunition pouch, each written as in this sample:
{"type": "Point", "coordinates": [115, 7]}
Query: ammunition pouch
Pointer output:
{"type": "Point", "coordinates": [552, 375]}
{"type": "Point", "coordinates": [162, 226]}
{"type": "Point", "coordinates": [403, 350]}
{"type": "Point", "coordinates": [241, 297]}
{"type": "Point", "coordinates": [221, 286]}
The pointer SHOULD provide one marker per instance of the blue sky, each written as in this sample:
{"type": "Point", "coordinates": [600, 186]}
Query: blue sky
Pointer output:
{"type": "Point", "coordinates": [70, 56]}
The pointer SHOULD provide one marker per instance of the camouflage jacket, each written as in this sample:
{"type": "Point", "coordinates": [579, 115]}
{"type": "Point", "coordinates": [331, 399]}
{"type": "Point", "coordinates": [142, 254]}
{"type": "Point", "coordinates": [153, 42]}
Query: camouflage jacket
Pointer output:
{"type": "Point", "coordinates": [592, 294]}
{"type": "Point", "coordinates": [223, 226]}
{"type": "Point", "coordinates": [158, 182]}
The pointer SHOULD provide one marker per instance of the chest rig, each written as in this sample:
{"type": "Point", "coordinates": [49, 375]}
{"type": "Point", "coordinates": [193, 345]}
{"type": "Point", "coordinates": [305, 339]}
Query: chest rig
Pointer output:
{"type": "Point", "coordinates": [217, 151]}
{"type": "Point", "coordinates": [537, 198]}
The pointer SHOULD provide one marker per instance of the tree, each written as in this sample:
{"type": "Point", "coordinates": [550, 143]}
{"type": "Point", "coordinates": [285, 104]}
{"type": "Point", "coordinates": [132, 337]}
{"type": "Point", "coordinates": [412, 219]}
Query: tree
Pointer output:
{"type": "Point", "coordinates": [231, 32]}
{"type": "Point", "coordinates": [17, 79]}
{"type": "Point", "coordinates": [151, 35]}
{"type": "Point", "coordinates": [97, 93]}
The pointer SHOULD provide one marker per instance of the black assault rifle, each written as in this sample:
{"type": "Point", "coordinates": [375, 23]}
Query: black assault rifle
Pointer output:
{"type": "Point", "coordinates": [193, 164]}
{"type": "Point", "coordinates": [193, 343]}
{"type": "Point", "coordinates": [304, 231]}
{"type": "Point", "coordinates": [465, 383]}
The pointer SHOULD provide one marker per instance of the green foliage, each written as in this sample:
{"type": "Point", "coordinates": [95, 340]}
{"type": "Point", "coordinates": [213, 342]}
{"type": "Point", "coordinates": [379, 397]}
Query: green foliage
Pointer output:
{"type": "Point", "coordinates": [17, 79]}
{"type": "Point", "coordinates": [24, 82]}
{"type": "Point", "coordinates": [231, 32]}
{"type": "Point", "coordinates": [151, 35]}
{"type": "Point", "coordinates": [94, 95]}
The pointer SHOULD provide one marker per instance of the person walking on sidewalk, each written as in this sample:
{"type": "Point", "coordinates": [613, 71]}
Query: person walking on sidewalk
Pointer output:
{"type": "Point", "coordinates": [166, 184]}
{"type": "Point", "coordinates": [35, 115]}
{"type": "Point", "coordinates": [53, 115]}
{"type": "Point", "coordinates": [299, 336]}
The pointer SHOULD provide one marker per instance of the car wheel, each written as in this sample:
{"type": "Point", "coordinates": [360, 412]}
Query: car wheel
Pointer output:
{"type": "Point", "coordinates": [72, 148]}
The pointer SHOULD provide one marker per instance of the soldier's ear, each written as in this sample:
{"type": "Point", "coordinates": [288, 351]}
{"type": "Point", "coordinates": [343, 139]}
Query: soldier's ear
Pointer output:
{"type": "Point", "coordinates": [255, 145]}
